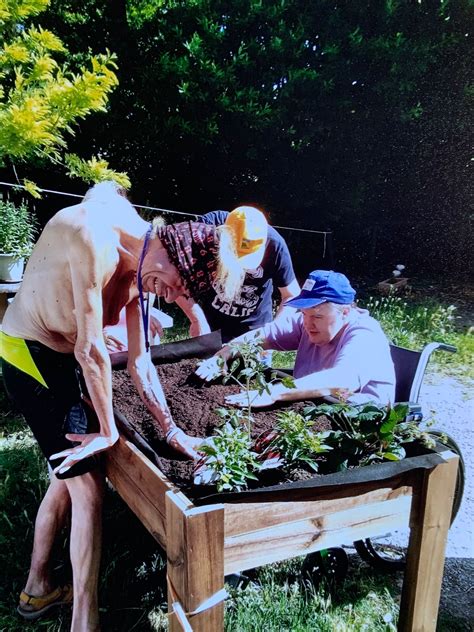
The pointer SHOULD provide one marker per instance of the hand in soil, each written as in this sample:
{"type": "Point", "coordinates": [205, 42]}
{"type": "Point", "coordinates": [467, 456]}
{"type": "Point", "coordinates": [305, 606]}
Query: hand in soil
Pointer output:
{"type": "Point", "coordinates": [89, 445]}
{"type": "Point", "coordinates": [187, 445]}
{"type": "Point", "coordinates": [244, 398]}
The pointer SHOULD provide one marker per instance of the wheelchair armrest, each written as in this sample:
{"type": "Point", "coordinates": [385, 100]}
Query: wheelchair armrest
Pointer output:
{"type": "Point", "coordinates": [414, 411]}
{"type": "Point", "coordinates": [283, 372]}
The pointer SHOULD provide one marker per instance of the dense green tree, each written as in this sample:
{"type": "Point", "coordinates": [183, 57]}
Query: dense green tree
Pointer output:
{"type": "Point", "coordinates": [344, 114]}
{"type": "Point", "coordinates": [40, 100]}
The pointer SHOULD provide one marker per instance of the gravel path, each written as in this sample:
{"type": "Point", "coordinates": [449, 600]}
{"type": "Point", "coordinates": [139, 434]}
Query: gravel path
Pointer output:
{"type": "Point", "coordinates": [452, 404]}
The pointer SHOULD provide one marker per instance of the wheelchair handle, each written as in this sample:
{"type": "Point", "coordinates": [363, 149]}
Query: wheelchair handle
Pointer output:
{"type": "Point", "coordinates": [444, 347]}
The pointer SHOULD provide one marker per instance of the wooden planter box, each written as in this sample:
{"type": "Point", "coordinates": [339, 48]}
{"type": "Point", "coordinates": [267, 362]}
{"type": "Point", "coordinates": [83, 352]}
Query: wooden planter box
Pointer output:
{"type": "Point", "coordinates": [392, 286]}
{"type": "Point", "coordinates": [205, 543]}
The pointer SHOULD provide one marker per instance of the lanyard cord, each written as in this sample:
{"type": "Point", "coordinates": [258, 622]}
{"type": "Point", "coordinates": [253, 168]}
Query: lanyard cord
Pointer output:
{"type": "Point", "coordinates": [145, 308]}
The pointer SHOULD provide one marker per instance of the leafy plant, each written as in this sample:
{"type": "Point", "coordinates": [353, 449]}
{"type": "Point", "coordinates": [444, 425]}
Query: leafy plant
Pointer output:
{"type": "Point", "coordinates": [296, 441]}
{"type": "Point", "coordinates": [229, 453]}
{"type": "Point", "coordinates": [253, 372]}
{"type": "Point", "coordinates": [250, 372]}
{"type": "Point", "coordinates": [17, 229]}
{"type": "Point", "coordinates": [231, 458]}
{"type": "Point", "coordinates": [367, 433]}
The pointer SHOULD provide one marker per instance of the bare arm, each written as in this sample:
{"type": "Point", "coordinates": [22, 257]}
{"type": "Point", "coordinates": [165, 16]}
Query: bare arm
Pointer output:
{"type": "Point", "coordinates": [287, 292]}
{"type": "Point", "coordinates": [90, 350]}
{"type": "Point", "coordinates": [197, 318]}
{"type": "Point", "coordinates": [148, 385]}
{"type": "Point", "coordinates": [141, 368]}
{"type": "Point", "coordinates": [319, 384]}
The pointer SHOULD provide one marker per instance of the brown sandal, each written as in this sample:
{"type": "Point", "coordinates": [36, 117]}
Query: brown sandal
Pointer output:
{"type": "Point", "coordinates": [37, 606]}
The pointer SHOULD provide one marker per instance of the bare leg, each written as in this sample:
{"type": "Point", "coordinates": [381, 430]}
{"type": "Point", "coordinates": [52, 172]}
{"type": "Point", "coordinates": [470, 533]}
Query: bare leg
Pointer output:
{"type": "Point", "coordinates": [86, 494]}
{"type": "Point", "coordinates": [50, 519]}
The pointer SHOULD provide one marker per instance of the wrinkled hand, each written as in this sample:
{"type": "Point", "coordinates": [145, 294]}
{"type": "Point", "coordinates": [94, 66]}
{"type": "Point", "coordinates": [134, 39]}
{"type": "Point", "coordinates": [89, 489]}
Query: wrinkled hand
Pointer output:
{"type": "Point", "coordinates": [90, 445]}
{"type": "Point", "coordinates": [198, 328]}
{"type": "Point", "coordinates": [114, 344]}
{"type": "Point", "coordinates": [211, 368]}
{"type": "Point", "coordinates": [243, 398]}
{"type": "Point", "coordinates": [185, 444]}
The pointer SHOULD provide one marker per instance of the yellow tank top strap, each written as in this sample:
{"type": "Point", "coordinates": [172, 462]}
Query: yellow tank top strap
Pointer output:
{"type": "Point", "coordinates": [15, 351]}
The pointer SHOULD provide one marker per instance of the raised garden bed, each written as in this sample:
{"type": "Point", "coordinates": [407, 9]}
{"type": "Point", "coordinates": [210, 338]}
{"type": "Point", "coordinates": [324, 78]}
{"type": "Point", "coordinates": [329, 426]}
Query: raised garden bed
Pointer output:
{"type": "Point", "coordinates": [236, 531]}
{"type": "Point", "coordinates": [193, 407]}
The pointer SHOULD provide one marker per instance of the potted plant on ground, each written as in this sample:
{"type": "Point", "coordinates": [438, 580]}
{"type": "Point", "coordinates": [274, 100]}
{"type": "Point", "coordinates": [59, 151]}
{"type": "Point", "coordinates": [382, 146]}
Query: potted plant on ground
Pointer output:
{"type": "Point", "coordinates": [395, 283]}
{"type": "Point", "coordinates": [17, 232]}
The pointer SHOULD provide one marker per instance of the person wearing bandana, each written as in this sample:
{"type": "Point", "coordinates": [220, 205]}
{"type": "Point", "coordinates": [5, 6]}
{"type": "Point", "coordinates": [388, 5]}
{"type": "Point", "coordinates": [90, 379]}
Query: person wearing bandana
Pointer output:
{"type": "Point", "coordinates": [266, 258]}
{"type": "Point", "coordinates": [91, 260]}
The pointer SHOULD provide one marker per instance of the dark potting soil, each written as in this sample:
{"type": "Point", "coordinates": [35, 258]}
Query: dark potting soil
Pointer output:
{"type": "Point", "coordinates": [192, 404]}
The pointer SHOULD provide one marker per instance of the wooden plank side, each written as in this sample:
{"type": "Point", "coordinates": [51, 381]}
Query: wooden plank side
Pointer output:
{"type": "Point", "coordinates": [146, 474]}
{"type": "Point", "coordinates": [279, 542]}
{"type": "Point", "coordinates": [141, 485]}
{"type": "Point", "coordinates": [426, 550]}
{"type": "Point", "coordinates": [242, 518]}
{"type": "Point", "coordinates": [145, 508]}
{"type": "Point", "coordinates": [195, 563]}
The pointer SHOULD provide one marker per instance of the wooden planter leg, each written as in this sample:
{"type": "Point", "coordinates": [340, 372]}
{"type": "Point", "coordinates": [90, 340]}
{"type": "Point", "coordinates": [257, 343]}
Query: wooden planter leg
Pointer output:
{"type": "Point", "coordinates": [426, 550]}
{"type": "Point", "coordinates": [195, 552]}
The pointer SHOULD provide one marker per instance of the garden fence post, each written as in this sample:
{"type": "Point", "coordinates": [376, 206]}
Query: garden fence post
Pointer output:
{"type": "Point", "coordinates": [195, 552]}
{"type": "Point", "coordinates": [425, 559]}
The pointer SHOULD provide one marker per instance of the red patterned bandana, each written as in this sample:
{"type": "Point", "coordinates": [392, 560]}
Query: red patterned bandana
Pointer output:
{"type": "Point", "coordinates": [193, 248]}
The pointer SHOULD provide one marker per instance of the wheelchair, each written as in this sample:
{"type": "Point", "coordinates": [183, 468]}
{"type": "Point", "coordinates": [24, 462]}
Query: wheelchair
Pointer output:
{"type": "Point", "coordinates": [387, 553]}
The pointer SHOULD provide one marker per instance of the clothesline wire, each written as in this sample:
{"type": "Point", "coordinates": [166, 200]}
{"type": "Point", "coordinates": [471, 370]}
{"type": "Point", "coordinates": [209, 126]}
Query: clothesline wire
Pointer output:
{"type": "Point", "coordinates": [166, 210]}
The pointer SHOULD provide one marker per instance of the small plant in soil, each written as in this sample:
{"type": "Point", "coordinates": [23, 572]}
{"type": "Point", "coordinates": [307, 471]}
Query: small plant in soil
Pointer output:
{"type": "Point", "coordinates": [296, 442]}
{"type": "Point", "coordinates": [367, 433]}
{"type": "Point", "coordinates": [248, 371]}
{"type": "Point", "coordinates": [230, 458]}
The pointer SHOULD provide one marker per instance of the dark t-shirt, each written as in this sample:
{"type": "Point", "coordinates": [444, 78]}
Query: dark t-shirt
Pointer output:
{"type": "Point", "coordinates": [253, 307]}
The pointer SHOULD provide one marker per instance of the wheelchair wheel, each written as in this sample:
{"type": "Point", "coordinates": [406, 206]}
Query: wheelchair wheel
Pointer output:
{"type": "Point", "coordinates": [328, 566]}
{"type": "Point", "coordinates": [444, 439]}
{"type": "Point", "coordinates": [388, 552]}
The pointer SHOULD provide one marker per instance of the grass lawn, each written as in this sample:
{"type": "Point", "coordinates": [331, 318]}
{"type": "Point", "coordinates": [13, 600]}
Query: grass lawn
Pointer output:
{"type": "Point", "coordinates": [133, 575]}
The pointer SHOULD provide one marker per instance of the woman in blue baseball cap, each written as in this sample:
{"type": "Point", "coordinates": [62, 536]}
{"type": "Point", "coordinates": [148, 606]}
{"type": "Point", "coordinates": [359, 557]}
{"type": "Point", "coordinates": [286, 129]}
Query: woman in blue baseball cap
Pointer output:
{"type": "Point", "coordinates": [339, 347]}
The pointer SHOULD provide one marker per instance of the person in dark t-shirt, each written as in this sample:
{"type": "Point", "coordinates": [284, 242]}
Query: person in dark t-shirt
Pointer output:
{"type": "Point", "coordinates": [268, 267]}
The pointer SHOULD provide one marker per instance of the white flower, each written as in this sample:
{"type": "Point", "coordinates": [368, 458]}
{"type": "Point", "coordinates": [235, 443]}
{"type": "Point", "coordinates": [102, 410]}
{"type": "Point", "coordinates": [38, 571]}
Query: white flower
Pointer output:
{"type": "Point", "coordinates": [400, 266]}
{"type": "Point", "coordinates": [396, 273]}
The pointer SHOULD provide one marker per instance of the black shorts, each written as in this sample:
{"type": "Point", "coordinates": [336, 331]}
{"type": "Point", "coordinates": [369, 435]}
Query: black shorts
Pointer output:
{"type": "Point", "coordinates": [54, 411]}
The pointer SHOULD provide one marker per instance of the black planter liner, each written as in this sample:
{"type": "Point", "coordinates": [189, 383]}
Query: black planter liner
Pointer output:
{"type": "Point", "coordinates": [326, 482]}
{"type": "Point", "coordinates": [205, 346]}
{"type": "Point", "coordinates": [199, 347]}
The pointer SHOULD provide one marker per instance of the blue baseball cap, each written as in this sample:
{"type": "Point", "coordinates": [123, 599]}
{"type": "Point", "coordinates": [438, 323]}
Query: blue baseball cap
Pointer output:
{"type": "Point", "coordinates": [323, 286]}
